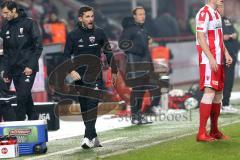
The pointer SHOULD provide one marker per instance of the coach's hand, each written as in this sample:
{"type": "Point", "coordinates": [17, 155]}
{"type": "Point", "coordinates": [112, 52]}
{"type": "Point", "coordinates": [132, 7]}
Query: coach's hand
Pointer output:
{"type": "Point", "coordinates": [6, 80]}
{"type": "Point", "coordinates": [234, 36]}
{"type": "Point", "coordinates": [229, 59]}
{"type": "Point", "coordinates": [226, 37]}
{"type": "Point", "coordinates": [213, 64]}
{"type": "Point", "coordinates": [75, 76]}
{"type": "Point", "coordinates": [27, 71]}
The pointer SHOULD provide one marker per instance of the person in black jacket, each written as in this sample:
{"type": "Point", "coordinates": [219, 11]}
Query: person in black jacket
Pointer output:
{"type": "Point", "coordinates": [230, 40]}
{"type": "Point", "coordinates": [22, 47]}
{"type": "Point", "coordinates": [135, 41]}
{"type": "Point", "coordinates": [86, 42]}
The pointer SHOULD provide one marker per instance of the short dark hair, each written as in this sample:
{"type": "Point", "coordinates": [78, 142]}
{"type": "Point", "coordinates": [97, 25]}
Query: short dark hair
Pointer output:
{"type": "Point", "coordinates": [84, 9]}
{"type": "Point", "coordinates": [134, 11]}
{"type": "Point", "coordinates": [10, 4]}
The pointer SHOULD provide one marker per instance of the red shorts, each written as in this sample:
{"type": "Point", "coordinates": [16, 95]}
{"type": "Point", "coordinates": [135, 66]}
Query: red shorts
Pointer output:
{"type": "Point", "coordinates": [211, 79]}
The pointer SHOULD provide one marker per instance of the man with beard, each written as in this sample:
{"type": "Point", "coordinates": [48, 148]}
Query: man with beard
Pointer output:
{"type": "Point", "coordinates": [87, 40]}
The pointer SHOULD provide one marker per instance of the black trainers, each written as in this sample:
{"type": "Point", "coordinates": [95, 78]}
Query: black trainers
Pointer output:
{"type": "Point", "coordinates": [136, 121]}
{"type": "Point", "coordinates": [87, 143]}
{"type": "Point", "coordinates": [140, 119]}
{"type": "Point", "coordinates": [145, 120]}
{"type": "Point", "coordinates": [96, 142]}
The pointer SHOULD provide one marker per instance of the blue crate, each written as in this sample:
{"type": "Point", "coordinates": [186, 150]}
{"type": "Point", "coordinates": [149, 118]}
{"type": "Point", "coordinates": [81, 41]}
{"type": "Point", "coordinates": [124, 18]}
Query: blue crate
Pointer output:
{"type": "Point", "coordinates": [32, 135]}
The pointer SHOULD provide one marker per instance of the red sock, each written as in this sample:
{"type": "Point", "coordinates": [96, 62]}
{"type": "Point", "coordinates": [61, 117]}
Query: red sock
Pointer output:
{"type": "Point", "coordinates": [215, 112]}
{"type": "Point", "coordinates": [204, 110]}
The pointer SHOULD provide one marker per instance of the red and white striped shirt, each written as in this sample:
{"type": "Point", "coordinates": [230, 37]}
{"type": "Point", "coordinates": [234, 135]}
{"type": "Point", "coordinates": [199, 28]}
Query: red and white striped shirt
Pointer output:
{"type": "Point", "coordinates": [209, 22]}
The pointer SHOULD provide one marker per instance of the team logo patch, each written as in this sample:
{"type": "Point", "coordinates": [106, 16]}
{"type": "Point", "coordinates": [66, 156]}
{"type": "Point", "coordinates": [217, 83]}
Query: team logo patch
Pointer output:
{"type": "Point", "coordinates": [215, 82]}
{"type": "Point", "coordinates": [227, 22]}
{"type": "Point", "coordinates": [92, 39]}
{"type": "Point", "coordinates": [202, 14]}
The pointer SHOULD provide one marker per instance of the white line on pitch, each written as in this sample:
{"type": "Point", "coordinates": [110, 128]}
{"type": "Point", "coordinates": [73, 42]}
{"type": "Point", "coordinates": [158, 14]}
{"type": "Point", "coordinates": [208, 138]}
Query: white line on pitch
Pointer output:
{"type": "Point", "coordinates": [72, 150]}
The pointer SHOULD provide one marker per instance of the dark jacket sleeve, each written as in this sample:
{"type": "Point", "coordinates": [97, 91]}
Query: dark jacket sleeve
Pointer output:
{"type": "Point", "coordinates": [68, 50]}
{"type": "Point", "coordinates": [108, 52]}
{"type": "Point", "coordinates": [5, 59]}
{"type": "Point", "coordinates": [5, 63]}
{"type": "Point", "coordinates": [37, 44]}
{"type": "Point", "coordinates": [125, 41]}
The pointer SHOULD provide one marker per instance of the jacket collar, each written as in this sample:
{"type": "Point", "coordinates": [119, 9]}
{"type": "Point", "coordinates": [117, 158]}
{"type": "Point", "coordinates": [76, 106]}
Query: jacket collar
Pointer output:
{"type": "Point", "coordinates": [15, 20]}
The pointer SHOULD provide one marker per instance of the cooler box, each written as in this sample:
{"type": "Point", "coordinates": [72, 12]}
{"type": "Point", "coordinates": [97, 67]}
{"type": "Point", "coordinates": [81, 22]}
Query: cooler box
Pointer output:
{"type": "Point", "coordinates": [31, 135]}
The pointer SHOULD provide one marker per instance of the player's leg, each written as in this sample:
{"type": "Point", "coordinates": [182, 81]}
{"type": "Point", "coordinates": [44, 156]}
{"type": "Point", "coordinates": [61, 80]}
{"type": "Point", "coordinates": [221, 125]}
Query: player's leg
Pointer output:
{"type": "Point", "coordinates": [206, 101]}
{"type": "Point", "coordinates": [215, 112]}
{"type": "Point", "coordinates": [204, 111]}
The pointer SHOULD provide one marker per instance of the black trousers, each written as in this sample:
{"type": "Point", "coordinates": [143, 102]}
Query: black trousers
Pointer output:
{"type": "Point", "coordinates": [137, 79]}
{"type": "Point", "coordinates": [23, 85]}
{"type": "Point", "coordinates": [89, 108]}
{"type": "Point", "coordinates": [228, 83]}
{"type": "Point", "coordinates": [7, 112]}
{"type": "Point", "coordinates": [149, 83]}
{"type": "Point", "coordinates": [137, 95]}
{"type": "Point", "coordinates": [136, 99]}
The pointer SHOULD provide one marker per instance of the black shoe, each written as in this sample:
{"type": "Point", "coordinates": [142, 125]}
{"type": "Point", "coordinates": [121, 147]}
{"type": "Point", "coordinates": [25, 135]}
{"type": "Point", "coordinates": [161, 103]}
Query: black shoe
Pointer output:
{"type": "Point", "coordinates": [136, 121]}
{"type": "Point", "coordinates": [96, 142]}
{"type": "Point", "coordinates": [144, 120]}
{"type": "Point", "coordinates": [87, 143]}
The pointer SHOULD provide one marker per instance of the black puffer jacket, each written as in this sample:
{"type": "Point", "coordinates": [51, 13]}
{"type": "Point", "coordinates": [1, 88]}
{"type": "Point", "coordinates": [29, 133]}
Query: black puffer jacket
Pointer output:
{"type": "Point", "coordinates": [136, 37]}
{"type": "Point", "coordinates": [22, 44]}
